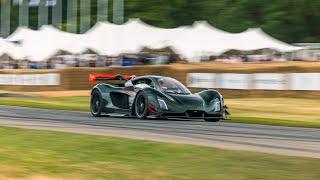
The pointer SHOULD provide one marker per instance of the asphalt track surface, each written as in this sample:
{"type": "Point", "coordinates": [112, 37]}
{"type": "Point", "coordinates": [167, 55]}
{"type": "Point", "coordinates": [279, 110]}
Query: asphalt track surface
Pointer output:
{"type": "Point", "coordinates": [261, 138]}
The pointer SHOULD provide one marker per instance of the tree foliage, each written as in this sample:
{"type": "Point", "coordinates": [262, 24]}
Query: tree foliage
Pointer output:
{"type": "Point", "coordinates": [287, 20]}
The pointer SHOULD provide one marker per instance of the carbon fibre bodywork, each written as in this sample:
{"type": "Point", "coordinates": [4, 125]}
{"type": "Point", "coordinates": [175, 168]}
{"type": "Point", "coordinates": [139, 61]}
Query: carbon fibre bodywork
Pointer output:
{"type": "Point", "coordinates": [159, 102]}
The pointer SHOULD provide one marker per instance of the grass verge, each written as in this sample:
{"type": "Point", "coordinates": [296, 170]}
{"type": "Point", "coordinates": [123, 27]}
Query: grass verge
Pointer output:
{"type": "Point", "coordinates": [272, 111]}
{"type": "Point", "coordinates": [60, 103]}
{"type": "Point", "coordinates": [30, 153]}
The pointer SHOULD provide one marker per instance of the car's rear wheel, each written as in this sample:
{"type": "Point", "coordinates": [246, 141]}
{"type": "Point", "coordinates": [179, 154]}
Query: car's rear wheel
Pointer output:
{"type": "Point", "coordinates": [141, 106]}
{"type": "Point", "coordinates": [96, 104]}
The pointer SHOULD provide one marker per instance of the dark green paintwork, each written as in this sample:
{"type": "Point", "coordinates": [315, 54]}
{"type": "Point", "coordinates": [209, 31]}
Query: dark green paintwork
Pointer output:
{"type": "Point", "coordinates": [176, 103]}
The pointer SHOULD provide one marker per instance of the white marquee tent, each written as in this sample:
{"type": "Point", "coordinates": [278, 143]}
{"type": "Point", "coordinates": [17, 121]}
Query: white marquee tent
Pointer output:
{"type": "Point", "coordinates": [202, 39]}
{"type": "Point", "coordinates": [110, 39]}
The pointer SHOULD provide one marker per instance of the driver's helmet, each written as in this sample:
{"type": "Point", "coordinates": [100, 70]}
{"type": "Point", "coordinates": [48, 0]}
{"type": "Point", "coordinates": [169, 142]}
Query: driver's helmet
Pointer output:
{"type": "Point", "coordinates": [142, 86]}
{"type": "Point", "coordinates": [128, 84]}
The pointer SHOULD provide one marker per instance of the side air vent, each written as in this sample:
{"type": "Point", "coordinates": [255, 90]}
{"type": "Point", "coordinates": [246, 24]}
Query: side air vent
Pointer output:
{"type": "Point", "coordinates": [120, 100]}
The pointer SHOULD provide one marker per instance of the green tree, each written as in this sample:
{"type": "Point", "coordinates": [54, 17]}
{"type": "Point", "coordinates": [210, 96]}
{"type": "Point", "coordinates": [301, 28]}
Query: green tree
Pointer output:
{"type": "Point", "coordinates": [287, 20]}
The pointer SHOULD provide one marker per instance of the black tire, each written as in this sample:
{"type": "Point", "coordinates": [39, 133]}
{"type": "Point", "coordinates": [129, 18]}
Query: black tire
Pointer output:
{"type": "Point", "coordinates": [141, 106]}
{"type": "Point", "coordinates": [96, 103]}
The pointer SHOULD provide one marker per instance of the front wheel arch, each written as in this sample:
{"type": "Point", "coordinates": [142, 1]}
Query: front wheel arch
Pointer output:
{"type": "Point", "coordinates": [209, 95]}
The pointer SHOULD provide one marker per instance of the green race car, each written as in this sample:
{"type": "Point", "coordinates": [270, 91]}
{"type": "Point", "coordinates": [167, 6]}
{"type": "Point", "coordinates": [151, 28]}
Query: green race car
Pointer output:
{"type": "Point", "coordinates": [154, 97]}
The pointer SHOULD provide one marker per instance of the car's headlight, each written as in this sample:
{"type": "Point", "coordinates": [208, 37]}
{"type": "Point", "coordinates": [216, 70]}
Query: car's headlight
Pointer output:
{"type": "Point", "coordinates": [217, 105]}
{"type": "Point", "coordinates": [163, 104]}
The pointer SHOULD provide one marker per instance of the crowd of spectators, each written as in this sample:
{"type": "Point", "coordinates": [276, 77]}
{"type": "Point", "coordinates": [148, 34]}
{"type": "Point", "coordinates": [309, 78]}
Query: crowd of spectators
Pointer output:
{"type": "Point", "coordinates": [143, 58]}
{"type": "Point", "coordinates": [89, 60]}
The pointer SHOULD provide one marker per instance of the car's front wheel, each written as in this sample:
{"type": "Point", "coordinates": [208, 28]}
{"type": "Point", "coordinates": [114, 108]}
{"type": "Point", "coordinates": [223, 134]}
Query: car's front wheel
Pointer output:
{"type": "Point", "coordinates": [141, 106]}
{"type": "Point", "coordinates": [96, 103]}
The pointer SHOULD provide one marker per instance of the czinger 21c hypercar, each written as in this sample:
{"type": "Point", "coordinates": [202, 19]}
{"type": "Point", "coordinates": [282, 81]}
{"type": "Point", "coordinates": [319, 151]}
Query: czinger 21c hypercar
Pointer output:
{"type": "Point", "coordinates": [153, 97]}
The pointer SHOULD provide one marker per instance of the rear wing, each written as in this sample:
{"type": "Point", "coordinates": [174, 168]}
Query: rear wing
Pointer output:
{"type": "Point", "coordinates": [105, 77]}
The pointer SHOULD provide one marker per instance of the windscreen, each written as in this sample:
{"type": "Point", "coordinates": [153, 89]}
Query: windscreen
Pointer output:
{"type": "Point", "coordinates": [172, 86]}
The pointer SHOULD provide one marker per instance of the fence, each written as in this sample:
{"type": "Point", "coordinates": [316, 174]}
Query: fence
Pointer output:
{"type": "Point", "coordinates": [258, 81]}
